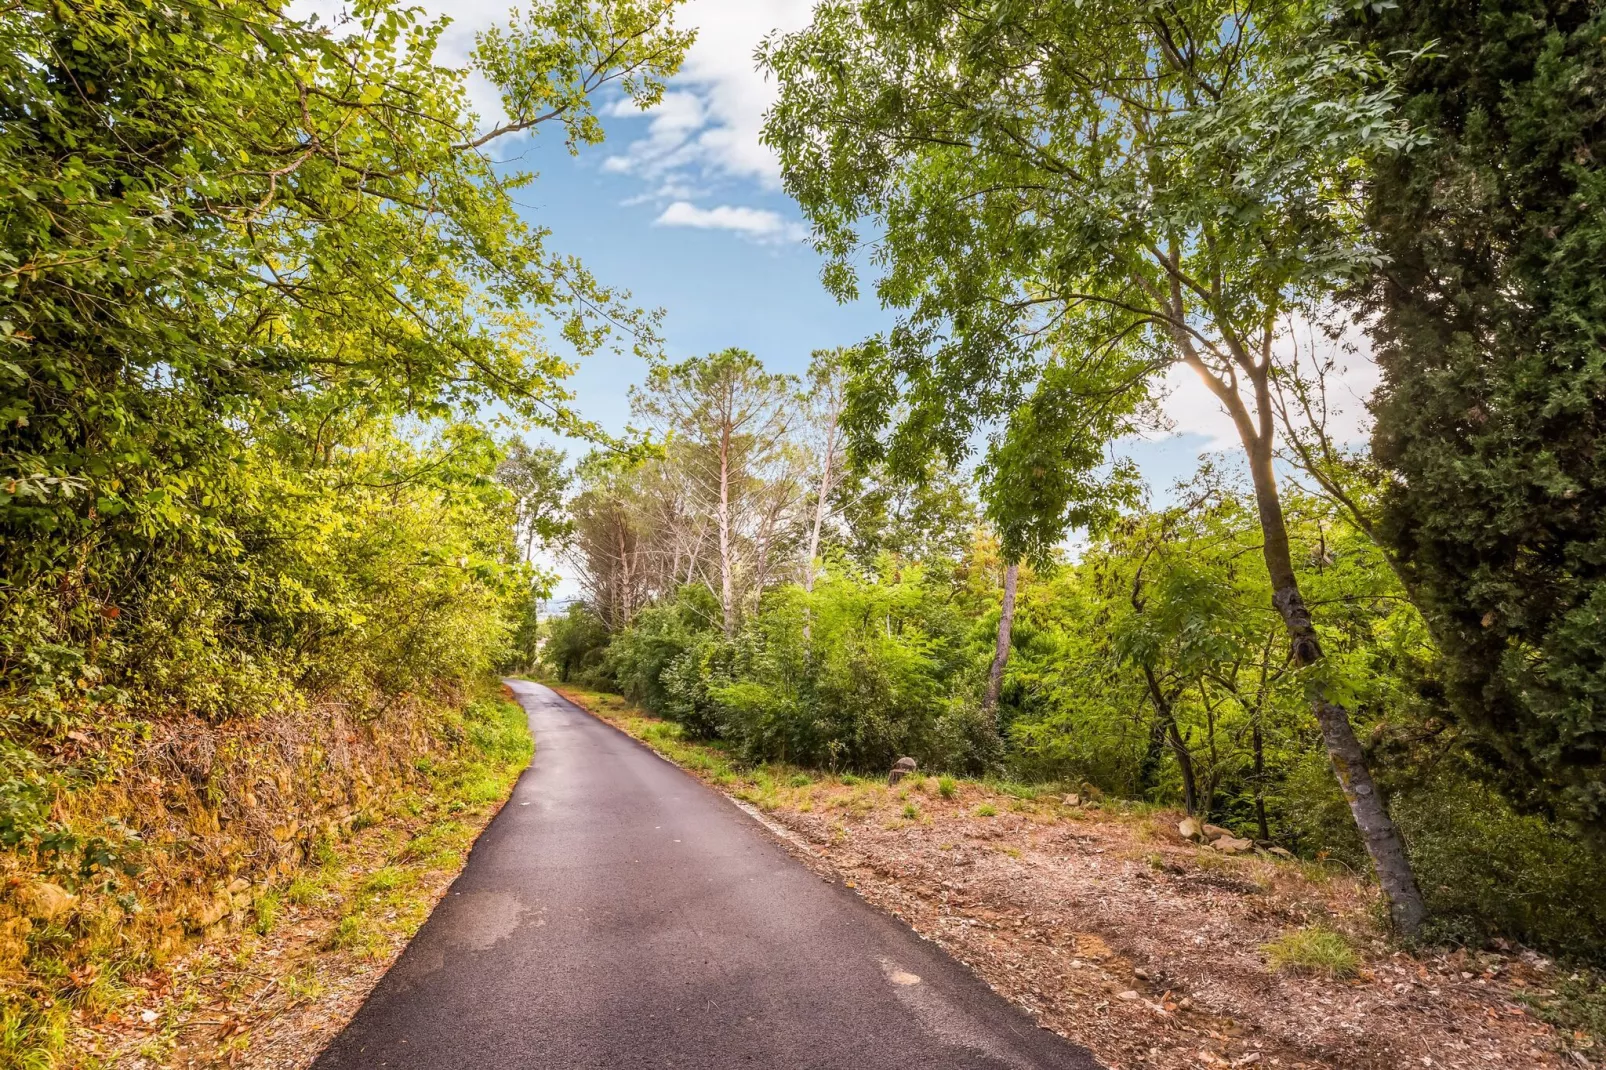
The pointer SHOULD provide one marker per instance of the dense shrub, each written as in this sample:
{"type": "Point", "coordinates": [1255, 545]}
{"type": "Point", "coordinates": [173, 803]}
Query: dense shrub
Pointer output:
{"type": "Point", "coordinates": [1487, 870]}
{"type": "Point", "coordinates": [575, 645]}
{"type": "Point", "coordinates": [658, 636]}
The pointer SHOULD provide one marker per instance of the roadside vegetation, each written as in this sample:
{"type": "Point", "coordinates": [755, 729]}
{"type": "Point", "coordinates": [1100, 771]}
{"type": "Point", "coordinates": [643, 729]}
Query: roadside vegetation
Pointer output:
{"type": "Point", "coordinates": [284, 971]}
{"type": "Point", "coordinates": [271, 328]}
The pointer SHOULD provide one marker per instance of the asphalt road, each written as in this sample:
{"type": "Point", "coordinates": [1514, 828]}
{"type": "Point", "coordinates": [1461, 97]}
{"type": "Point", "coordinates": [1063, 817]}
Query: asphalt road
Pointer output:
{"type": "Point", "coordinates": [618, 914]}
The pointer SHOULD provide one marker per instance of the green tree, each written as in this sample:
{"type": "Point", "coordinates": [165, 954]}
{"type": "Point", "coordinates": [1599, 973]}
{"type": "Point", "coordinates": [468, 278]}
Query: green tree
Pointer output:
{"type": "Point", "coordinates": [220, 225]}
{"type": "Point", "coordinates": [1489, 324]}
{"type": "Point", "coordinates": [575, 642]}
{"type": "Point", "coordinates": [729, 424]}
{"type": "Point", "coordinates": [927, 517]}
{"type": "Point", "coordinates": [537, 479]}
{"type": "Point", "coordinates": [1172, 177]}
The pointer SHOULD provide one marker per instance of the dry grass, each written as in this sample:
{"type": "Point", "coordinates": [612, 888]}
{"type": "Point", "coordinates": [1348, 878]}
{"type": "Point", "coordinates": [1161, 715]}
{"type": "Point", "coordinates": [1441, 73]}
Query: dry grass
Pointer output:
{"type": "Point", "coordinates": [292, 864]}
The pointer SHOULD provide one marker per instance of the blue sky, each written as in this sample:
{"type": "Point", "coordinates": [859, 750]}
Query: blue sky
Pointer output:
{"type": "Point", "coordinates": [683, 207]}
{"type": "Point", "coordinates": [718, 287]}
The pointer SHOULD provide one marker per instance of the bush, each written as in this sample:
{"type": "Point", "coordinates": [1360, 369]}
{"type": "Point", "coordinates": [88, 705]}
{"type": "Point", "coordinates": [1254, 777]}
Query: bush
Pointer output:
{"type": "Point", "coordinates": [1487, 870]}
{"type": "Point", "coordinates": [576, 644]}
{"type": "Point", "coordinates": [855, 675]}
{"type": "Point", "coordinates": [659, 636]}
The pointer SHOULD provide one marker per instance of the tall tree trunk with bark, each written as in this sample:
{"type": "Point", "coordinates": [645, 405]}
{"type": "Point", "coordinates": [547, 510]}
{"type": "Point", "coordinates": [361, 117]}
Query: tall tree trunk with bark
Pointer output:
{"type": "Point", "coordinates": [1006, 627]}
{"type": "Point", "coordinates": [822, 497]}
{"type": "Point", "coordinates": [1166, 721]}
{"type": "Point", "coordinates": [1366, 803]}
{"type": "Point", "coordinates": [1261, 823]}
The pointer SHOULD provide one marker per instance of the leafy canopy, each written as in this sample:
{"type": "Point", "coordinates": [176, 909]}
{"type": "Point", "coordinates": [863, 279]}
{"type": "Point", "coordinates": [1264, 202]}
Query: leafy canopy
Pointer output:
{"type": "Point", "coordinates": [1064, 198]}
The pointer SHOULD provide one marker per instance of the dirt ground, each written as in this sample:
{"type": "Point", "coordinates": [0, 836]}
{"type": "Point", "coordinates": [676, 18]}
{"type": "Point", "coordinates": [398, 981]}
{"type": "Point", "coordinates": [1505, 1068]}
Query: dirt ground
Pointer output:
{"type": "Point", "coordinates": [1145, 948]}
{"type": "Point", "coordinates": [1116, 932]}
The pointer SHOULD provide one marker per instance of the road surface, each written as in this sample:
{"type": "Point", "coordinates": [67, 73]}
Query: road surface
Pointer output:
{"type": "Point", "coordinates": [618, 914]}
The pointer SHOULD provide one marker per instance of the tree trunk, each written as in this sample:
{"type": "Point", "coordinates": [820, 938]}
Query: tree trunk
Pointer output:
{"type": "Point", "coordinates": [1260, 782]}
{"type": "Point", "coordinates": [1366, 803]}
{"type": "Point", "coordinates": [1006, 626]}
{"type": "Point", "coordinates": [822, 494]}
{"type": "Point", "coordinates": [1167, 720]}
{"type": "Point", "coordinates": [626, 591]}
{"type": "Point", "coordinates": [1190, 781]}
{"type": "Point", "coordinates": [727, 593]}
{"type": "Point", "coordinates": [1149, 767]}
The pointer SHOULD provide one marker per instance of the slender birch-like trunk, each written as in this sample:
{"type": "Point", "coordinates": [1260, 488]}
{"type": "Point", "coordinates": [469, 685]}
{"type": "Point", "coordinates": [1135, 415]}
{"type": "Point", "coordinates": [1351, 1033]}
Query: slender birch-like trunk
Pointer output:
{"type": "Point", "coordinates": [1006, 628]}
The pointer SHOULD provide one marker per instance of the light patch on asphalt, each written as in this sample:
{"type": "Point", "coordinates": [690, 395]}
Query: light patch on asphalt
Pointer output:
{"type": "Point", "coordinates": [478, 921]}
{"type": "Point", "coordinates": [944, 1020]}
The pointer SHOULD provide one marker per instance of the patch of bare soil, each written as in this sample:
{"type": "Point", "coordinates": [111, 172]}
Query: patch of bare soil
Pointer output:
{"type": "Point", "coordinates": [1119, 934]}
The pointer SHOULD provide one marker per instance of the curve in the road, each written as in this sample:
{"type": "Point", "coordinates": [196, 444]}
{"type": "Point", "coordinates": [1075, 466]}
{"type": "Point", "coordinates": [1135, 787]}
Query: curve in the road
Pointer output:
{"type": "Point", "coordinates": [619, 914]}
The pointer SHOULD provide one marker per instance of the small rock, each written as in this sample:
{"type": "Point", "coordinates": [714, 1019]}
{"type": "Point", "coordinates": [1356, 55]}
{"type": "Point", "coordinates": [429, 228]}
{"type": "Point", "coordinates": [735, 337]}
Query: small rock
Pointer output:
{"type": "Point", "coordinates": [1230, 845]}
{"type": "Point", "coordinates": [1073, 800]}
{"type": "Point", "coordinates": [1215, 832]}
{"type": "Point", "coordinates": [1189, 828]}
{"type": "Point", "coordinates": [1185, 1003]}
{"type": "Point", "coordinates": [1141, 974]}
{"type": "Point", "coordinates": [1281, 852]}
{"type": "Point", "coordinates": [238, 885]}
{"type": "Point", "coordinates": [1128, 994]}
{"type": "Point", "coordinates": [900, 769]}
{"type": "Point", "coordinates": [46, 900]}
{"type": "Point", "coordinates": [147, 1017]}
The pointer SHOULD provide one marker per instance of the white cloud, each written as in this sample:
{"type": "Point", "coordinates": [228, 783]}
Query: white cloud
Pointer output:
{"type": "Point", "coordinates": [759, 223]}
{"type": "Point", "coordinates": [721, 74]}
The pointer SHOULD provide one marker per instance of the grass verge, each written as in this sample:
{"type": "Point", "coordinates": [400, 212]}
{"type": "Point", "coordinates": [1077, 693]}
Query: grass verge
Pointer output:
{"type": "Point", "coordinates": [280, 971]}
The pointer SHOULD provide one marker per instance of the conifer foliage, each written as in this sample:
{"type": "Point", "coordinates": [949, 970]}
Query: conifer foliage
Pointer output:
{"type": "Point", "coordinates": [1489, 322]}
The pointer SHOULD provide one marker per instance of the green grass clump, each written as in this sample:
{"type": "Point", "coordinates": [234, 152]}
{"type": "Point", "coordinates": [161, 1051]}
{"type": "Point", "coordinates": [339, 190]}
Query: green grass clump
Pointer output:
{"type": "Point", "coordinates": [351, 933]}
{"type": "Point", "coordinates": [1315, 951]}
{"type": "Point", "coordinates": [304, 891]}
{"type": "Point", "coordinates": [386, 879]}
{"type": "Point", "coordinates": [911, 811]}
{"type": "Point", "coordinates": [986, 810]}
{"type": "Point", "coordinates": [265, 913]}
{"type": "Point", "coordinates": [947, 787]}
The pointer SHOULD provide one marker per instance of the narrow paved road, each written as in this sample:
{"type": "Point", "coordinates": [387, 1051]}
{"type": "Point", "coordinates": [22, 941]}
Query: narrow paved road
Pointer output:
{"type": "Point", "coordinates": [618, 914]}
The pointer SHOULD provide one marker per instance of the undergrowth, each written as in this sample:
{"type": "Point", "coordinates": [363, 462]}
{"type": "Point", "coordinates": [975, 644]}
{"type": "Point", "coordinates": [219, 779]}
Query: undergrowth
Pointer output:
{"type": "Point", "coordinates": [240, 855]}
